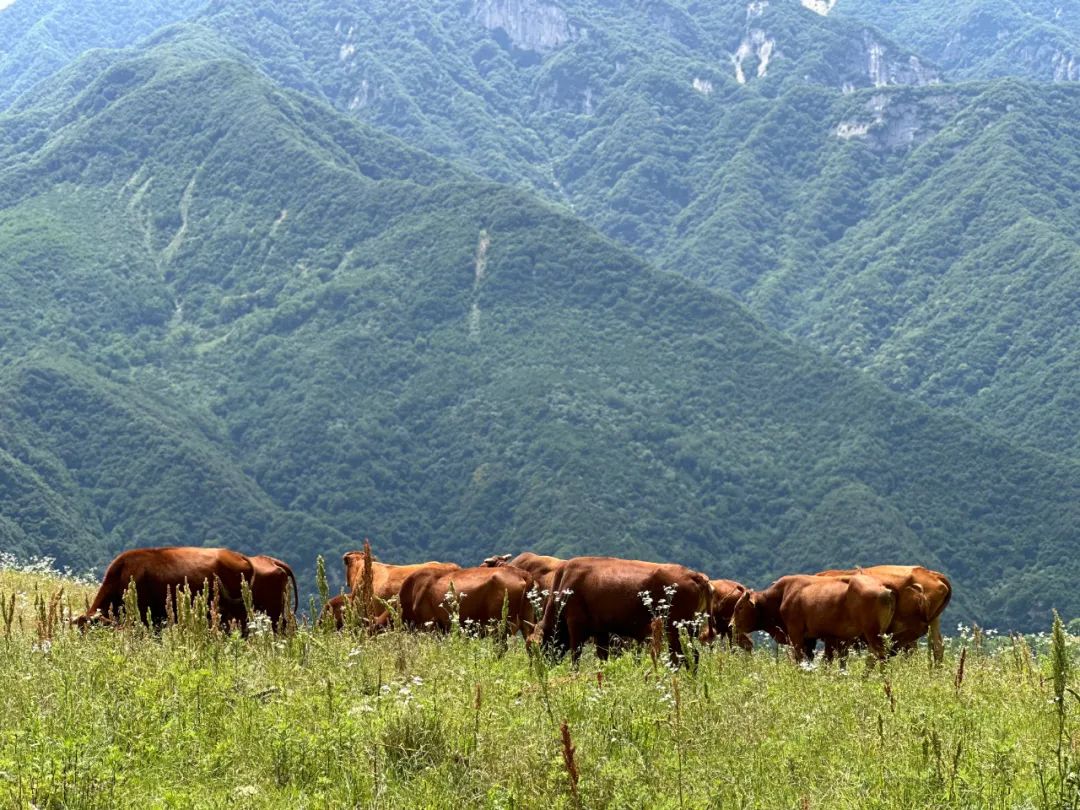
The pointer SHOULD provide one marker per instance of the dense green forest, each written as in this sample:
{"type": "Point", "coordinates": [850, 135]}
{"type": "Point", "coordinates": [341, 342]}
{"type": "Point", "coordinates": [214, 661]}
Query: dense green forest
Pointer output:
{"type": "Point", "coordinates": [285, 275]}
{"type": "Point", "coordinates": [983, 38]}
{"type": "Point", "coordinates": [828, 170]}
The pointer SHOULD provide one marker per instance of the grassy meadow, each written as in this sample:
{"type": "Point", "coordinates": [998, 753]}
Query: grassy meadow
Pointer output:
{"type": "Point", "coordinates": [188, 718]}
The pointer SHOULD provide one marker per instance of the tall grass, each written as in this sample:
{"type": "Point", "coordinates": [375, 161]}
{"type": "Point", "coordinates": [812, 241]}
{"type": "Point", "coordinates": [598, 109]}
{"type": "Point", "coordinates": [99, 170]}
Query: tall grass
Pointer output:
{"type": "Point", "coordinates": [187, 717]}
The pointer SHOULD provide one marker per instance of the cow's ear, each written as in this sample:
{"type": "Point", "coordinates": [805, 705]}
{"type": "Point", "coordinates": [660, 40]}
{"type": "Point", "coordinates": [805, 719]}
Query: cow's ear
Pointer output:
{"type": "Point", "coordinates": [754, 599]}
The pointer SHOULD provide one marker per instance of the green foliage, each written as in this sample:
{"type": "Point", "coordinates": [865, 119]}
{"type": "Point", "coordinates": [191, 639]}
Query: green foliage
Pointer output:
{"type": "Point", "coordinates": [890, 250]}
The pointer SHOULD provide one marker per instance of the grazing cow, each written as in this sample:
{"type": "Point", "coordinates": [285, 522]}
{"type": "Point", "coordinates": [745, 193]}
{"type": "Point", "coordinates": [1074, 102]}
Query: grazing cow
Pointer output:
{"type": "Point", "coordinates": [386, 580]}
{"type": "Point", "coordinates": [335, 607]}
{"type": "Point", "coordinates": [800, 609]}
{"type": "Point", "coordinates": [271, 579]}
{"type": "Point", "coordinates": [480, 594]}
{"type": "Point", "coordinates": [541, 567]}
{"type": "Point", "coordinates": [921, 597]}
{"type": "Point", "coordinates": [602, 598]}
{"type": "Point", "coordinates": [726, 593]}
{"type": "Point", "coordinates": [158, 572]}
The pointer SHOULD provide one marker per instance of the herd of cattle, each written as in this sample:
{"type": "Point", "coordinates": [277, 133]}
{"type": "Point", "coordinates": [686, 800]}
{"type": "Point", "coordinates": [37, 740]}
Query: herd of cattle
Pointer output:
{"type": "Point", "coordinates": [559, 603]}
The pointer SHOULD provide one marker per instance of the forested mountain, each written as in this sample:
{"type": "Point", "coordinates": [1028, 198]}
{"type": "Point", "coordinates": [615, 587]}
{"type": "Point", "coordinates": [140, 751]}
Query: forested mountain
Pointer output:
{"type": "Point", "coordinates": [234, 315]}
{"type": "Point", "coordinates": [285, 275]}
{"type": "Point", "coordinates": [40, 37]}
{"type": "Point", "coordinates": [845, 188]}
{"type": "Point", "coordinates": [983, 39]}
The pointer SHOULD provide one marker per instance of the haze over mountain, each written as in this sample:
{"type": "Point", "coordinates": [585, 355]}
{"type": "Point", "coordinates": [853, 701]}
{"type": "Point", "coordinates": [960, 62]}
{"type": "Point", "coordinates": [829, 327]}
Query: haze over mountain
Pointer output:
{"type": "Point", "coordinates": [983, 38]}
{"type": "Point", "coordinates": [232, 313]}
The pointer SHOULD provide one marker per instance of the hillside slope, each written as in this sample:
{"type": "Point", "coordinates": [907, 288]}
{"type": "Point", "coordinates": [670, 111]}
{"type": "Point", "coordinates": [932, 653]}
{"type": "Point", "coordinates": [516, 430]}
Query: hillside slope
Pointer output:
{"type": "Point", "coordinates": [309, 333]}
{"type": "Point", "coordinates": [1035, 39]}
{"type": "Point", "coordinates": [765, 150]}
{"type": "Point", "coordinates": [740, 146]}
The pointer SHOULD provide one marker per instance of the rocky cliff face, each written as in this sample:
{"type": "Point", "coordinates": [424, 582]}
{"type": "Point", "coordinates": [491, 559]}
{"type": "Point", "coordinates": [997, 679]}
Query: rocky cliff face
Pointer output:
{"type": "Point", "coordinates": [885, 68]}
{"type": "Point", "coordinates": [529, 24]}
{"type": "Point", "coordinates": [895, 121]}
{"type": "Point", "coordinates": [855, 57]}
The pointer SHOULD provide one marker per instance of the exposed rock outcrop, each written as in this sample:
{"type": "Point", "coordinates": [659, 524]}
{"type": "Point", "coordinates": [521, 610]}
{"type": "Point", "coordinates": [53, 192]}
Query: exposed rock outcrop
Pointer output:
{"type": "Point", "coordinates": [884, 68]}
{"type": "Point", "coordinates": [529, 24]}
{"type": "Point", "coordinates": [822, 7]}
{"type": "Point", "coordinates": [895, 121]}
{"type": "Point", "coordinates": [757, 44]}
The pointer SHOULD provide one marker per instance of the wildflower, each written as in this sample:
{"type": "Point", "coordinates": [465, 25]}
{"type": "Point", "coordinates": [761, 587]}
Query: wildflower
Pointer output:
{"type": "Point", "coordinates": [260, 625]}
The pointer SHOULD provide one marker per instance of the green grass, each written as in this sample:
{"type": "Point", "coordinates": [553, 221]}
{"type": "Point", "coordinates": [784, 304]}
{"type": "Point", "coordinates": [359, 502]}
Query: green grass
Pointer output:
{"type": "Point", "coordinates": [190, 719]}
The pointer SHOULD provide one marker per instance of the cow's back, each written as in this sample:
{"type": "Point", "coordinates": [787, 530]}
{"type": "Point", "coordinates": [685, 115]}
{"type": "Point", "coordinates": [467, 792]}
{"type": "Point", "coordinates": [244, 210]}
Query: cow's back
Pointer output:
{"type": "Point", "coordinates": [609, 591]}
{"type": "Point", "coordinates": [158, 571]}
{"type": "Point", "coordinates": [386, 579]}
{"type": "Point", "coordinates": [816, 605]}
{"type": "Point", "coordinates": [478, 595]}
{"type": "Point", "coordinates": [921, 595]}
{"type": "Point", "coordinates": [541, 567]}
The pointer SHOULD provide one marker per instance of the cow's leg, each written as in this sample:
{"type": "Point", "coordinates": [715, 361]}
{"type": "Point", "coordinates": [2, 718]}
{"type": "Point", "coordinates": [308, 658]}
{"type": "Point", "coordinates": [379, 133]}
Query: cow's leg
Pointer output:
{"type": "Point", "coordinates": [836, 650]}
{"type": "Point", "coordinates": [842, 648]}
{"type": "Point", "coordinates": [675, 648]}
{"type": "Point", "coordinates": [876, 645]}
{"type": "Point", "coordinates": [797, 642]}
{"type": "Point", "coordinates": [576, 640]}
{"type": "Point", "coordinates": [603, 646]}
{"type": "Point", "coordinates": [809, 648]}
{"type": "Point", "coordinates": [937, 644]}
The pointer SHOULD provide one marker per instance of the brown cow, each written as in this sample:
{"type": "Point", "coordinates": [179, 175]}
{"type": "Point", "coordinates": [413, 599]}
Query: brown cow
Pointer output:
{"type": "Point", "coordinates": [541, 567]}
{"type": "Point", "coordinates": [921, 597]}
{"type": "Point", "coordinates": [726, 593]}
{"type": "Point", "coordinates": [799, 609]}
{"type": "Point", "coordinates": [386, 580]}
{"type": "Point", "coordinates": [480, 593]}
{"type": "Point", "coordinates": [335, 607]}
{"type": "Point", "coordinates": [605, 597]}
{"type": "Point", "coordinates": [158, 572]}
{"type": "Point", "coordinates": [271, 579]}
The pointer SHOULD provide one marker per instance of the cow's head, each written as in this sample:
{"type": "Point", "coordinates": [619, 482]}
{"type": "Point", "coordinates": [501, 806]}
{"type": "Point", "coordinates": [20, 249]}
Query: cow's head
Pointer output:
{"type": "Point", "coordinates": [354, 568]}
{"type": "Point", "coordinates": [745, 617]}
{"type": "Point", "coordinates": [87, 620]}
{"type": "Point", "coordinates": [496, 561]}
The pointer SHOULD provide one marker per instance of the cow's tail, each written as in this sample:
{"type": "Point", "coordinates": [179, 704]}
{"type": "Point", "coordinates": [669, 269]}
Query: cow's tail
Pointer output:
{"type": "Point", "coordinates": [705, 591]}
{"type": "Point", "coordinates": [546, 630]}
{"type": "Point", "coordinates": [886, 608]}
{"type": "Point", "coordinates": [918, 593]}
{"type": "Point", "coordinates": [526, 614]}
{"type": "Point", "coordinates": [295, 591]}
{"type": "Point", "coordinates": [705, 606]}
{"type": "Point", "coordinates": [937, 643]}
{"type": "Point", "coordinates": [948, 596]}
